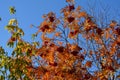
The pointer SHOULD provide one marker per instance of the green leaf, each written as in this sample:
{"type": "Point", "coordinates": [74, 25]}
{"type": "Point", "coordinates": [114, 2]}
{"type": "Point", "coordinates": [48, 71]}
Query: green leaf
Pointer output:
{"type": "Point", "coordinates": [33, 36]}
{"type": "Point", "coordinates": [10, 44]}
{"type": "Point", "coordinates": [35, 43]}
{"type": "Point", "coordinates": [2, 78]}
{"type": "Point", "coordinates": [12, 10]}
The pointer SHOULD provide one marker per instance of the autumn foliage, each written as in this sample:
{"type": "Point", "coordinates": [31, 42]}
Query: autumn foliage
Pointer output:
{"type": "Point", "coordinates": [73, 47]}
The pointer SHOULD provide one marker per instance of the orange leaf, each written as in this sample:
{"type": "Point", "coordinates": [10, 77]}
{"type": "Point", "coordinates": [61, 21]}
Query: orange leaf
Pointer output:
{"type": "Point", "coordinates": [57, 33]}
{"type": "Point", "coordinates": [82, 14]}
{"type": "Point", "coordinates": [113, 23]}
{"type": "Point", "coordinates": [88, 64]}
{"type": "Point", "coordinates": [107, 35]}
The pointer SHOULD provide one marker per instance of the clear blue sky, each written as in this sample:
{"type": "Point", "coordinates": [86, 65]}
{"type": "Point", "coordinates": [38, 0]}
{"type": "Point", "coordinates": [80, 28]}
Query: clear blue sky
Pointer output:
{"type": "Point", "coordinates": [31, 11]}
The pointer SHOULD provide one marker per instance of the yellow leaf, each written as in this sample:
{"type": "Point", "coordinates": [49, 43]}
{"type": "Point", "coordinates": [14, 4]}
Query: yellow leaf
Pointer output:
{"type": "Point", "coordinates": [12, 22]}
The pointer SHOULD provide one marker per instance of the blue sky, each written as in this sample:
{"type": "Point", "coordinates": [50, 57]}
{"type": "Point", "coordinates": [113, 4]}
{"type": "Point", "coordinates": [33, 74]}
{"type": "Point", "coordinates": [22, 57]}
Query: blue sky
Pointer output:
{"type": "Point", "coordinates": [31, 11]}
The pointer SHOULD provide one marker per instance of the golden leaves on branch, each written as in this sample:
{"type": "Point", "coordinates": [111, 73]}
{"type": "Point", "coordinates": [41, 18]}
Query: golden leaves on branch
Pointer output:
{"type": "Point", "coordinates": [45, 27]}
{"type": "Point", "coordinates": [49, 24]}
{"type": "Point", "coordinates": [103, 75]}
{"type": "Point", "coordinates": [61, 59]}
{"type": "Point", "coordinates": [89, 24]}
{"type": "Point", "coordinates": [65, 61]}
